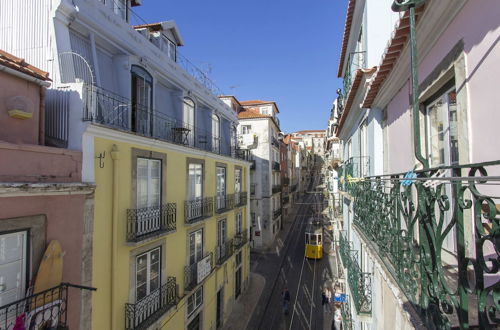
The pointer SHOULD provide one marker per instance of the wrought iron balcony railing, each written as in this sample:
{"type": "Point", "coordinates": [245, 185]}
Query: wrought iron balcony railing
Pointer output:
{"type": "Point", "coordinates": [275, 142]}
{"type": "Point", "coordinates": [345, 310]}
{"type": "Point", "coordinates": [197, 272]}
{"type": "Point", "coordinates": [147, 311]}
{"type": "Point", "coordinates": [224, 251]}
{"type": "Point", "coordinates": [276, 213]}
{"type": "Point", "coordinates": [276, 166]}
{"type": "Point", "coordinates": [198, 209]}
{"type": "Point", "coordinates": [240, 199]}
{"type": "Point", "coordinates": [150, 221]}
{"type": "Point", "coordinates": [276, 188]}
{"type": "Point", "coordinates": [360, 283]}
{"type": "Point", "coordinates": [352, 170]}
{"type": "Point", "coordinates": [115, 111]}
{"type": "Point", "coordinates": [418, 224]}
{"type": "Point", "coordinates": [224, 203]}
{"type": "Point", "coordinates": [48, 308]}
{"type": "Point", "coordinates": [240, 239]}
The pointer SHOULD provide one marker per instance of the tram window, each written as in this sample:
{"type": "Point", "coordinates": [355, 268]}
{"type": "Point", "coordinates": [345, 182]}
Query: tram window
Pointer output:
{"type": "Point", "coordinates": [307, 239]}
{"type": "Point", "coordinates": [313, 239]}
{"type": "Point", "coordinates": [319, 239]}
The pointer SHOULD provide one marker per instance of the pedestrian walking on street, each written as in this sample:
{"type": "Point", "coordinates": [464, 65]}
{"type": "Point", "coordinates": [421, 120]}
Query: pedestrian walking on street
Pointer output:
{"type": "Point", "coordinates": [324, 300]}
{"type": "Point", "coordinates": [329, 299]}
{"type": "Point", "coordinates": [286, 300]}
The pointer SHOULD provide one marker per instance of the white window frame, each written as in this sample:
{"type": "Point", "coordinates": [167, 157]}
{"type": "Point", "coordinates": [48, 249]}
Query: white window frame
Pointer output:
{"type": "Point", "coordinates": [148, 272]}
{"type": "Point", "coordinates": [239, 223]}
{"type": "Point", "coordinates": [151, 200]}
{"type": "Point", "coordinates": [221, 232]}
{"type": "Point", "coordinates": [246, 129]}
{"type": "Point", "coordinates": [195, 172]}
{"type": "Point", "coordinates": [195, 301]}
{"type": "Point", "coordinates": [195, 254]}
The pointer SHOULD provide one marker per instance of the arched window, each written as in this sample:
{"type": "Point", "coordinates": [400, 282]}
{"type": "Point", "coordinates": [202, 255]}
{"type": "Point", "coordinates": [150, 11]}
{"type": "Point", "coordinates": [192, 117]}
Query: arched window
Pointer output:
{"type": "Point", "coordinates": [142, 100]}
{"type": "Point", "coordinates": [188, 112]}
{"type": "Point", "coordinates": [215, 133]}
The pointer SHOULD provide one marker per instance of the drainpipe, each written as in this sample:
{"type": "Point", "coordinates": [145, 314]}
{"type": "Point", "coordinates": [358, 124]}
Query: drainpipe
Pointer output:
{"type": "Point", "coordinates": [41, 117]}
{"type": "Point", "coordinates": [404, 5]}
{"type": "Point", "coordinates": [114, 224]}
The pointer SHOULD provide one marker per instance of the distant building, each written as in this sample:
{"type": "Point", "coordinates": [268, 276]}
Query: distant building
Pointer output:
{"type": "Point", "coordinates": [259, 130]}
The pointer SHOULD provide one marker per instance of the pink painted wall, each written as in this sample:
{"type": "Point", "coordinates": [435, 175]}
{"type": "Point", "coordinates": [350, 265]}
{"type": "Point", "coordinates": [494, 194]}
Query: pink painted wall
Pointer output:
{"type": "Point", "coordinates": [17, 130]}
{"type": "Point", "coordinates": [64, 216]}
{"type": "Point", "coordinates": [33, 163]}
{"type": "Point", "coordinates": [478, 25]}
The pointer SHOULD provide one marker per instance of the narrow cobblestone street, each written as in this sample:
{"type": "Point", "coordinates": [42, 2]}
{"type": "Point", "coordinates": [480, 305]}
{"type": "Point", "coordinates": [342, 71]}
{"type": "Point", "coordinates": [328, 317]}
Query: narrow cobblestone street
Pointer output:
{"type": "Point", "coordinates": [285, 266]}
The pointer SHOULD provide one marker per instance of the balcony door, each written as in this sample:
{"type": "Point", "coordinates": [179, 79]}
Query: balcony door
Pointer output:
{"type": "Point", "coordinates": [221, 238]}
{"type": "Point", "coordinates": [442, 145]}
{"type": "Point", "coordinates": [221, 188]}
{"type": "Point", "coordinates": [147, 273]}
{"type": "Point", "coordinates": [13, 262]}
{"type": "Point", "coordinates": [237, 186]}
{"type": "Point", "coordinates": [142, 101]}
{"type": "Point", "coordinates": [188, 120]}
{"type": "Point", "coordinates": [195, 246]}
{"type": "Point", "coordinates": [215, 133]}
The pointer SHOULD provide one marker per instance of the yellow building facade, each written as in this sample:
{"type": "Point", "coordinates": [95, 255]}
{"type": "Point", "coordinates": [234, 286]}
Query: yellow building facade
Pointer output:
{"type": "Point", "coordinates": [148, 265]}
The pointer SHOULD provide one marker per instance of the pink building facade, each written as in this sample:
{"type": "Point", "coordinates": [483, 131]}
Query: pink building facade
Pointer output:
{"type": "Point", "coordinates": [425, 223]}
{"type": "Point", "coordinates": [42, 198]}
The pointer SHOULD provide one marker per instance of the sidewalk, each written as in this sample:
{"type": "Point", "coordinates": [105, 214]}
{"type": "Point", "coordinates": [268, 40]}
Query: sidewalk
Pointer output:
{"type": "Point", "coordinates": [244, 307]}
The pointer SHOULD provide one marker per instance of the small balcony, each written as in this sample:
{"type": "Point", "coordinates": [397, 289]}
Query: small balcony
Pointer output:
{"type": "Point", "coordinates": [359, 282]}
{"type": "Point", "coordinates": [144, 313]}
{"type": "Point", "coordinates": [224, 203]}
{"type": "Point", "coordinates": [240, 199]}
{"type": "Point", "coordinates": [277, 188]}
{"type": "Point", "coordinates": [111, 110]}
{"type": "Point", "coordinates": [197, 272]}
{"type": "Point", "coordinates": [198, 209]}
{"type": "Point", "coordinates": [276, 214]}
{"type": "Point", "coordinates": [150, 221]}
{"type": "Point", "coordinates": [49, 307]}
{"type": "Point", "coordinates": [276, 166]}
{"type": "Point", "coordinates": [240, 239]}
{"type": "Point", "coordinates": [224, 252]}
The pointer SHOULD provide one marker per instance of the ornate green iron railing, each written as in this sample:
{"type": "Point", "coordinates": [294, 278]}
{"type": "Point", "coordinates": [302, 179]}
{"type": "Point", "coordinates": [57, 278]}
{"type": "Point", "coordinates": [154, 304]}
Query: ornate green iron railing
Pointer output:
{"type": "Point", "coordinates": [438, 233]}
{"type": "Point", "coordinates": [346, 315]}
{"type": "Point", "coordinates": [360, 283]}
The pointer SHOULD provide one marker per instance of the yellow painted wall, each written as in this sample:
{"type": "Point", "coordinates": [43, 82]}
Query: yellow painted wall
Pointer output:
{"type": "Point", "coordinates": [175, 253]}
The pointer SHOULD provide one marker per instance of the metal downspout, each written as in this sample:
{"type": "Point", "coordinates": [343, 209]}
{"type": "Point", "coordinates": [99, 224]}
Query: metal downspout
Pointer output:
{"type": "Point", "coordinates": [114, 224]}
{"type": "Point", "coordinates": [399, 6]}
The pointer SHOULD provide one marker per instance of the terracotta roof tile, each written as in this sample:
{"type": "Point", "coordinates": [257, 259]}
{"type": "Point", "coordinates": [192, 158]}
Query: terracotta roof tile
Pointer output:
{"type": "Point", "coordinates": [347, 32]}
{"type": "Point", "coordinates": [247, 113]}
{"type": "Point", "coordinates": [16, 63]}
{"type": "Point", "coordinates": [259, 102]}
{"type": "Point", "coordinates": [352, 94]}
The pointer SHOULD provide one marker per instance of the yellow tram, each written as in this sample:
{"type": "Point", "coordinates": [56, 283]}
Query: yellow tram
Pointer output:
{"type": "Point", "coordinates": [314, 240]}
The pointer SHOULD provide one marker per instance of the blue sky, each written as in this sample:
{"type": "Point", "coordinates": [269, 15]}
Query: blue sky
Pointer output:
{"type": "Point", "coordinates": [285, 51]}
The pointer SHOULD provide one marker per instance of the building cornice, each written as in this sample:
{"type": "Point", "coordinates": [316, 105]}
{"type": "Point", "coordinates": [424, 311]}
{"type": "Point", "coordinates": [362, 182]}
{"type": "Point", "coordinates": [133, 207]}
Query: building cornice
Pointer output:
{"type": "Point", "coordinates": [23, 189]}
{"type": "Point", "coordinates": [145, 142]}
